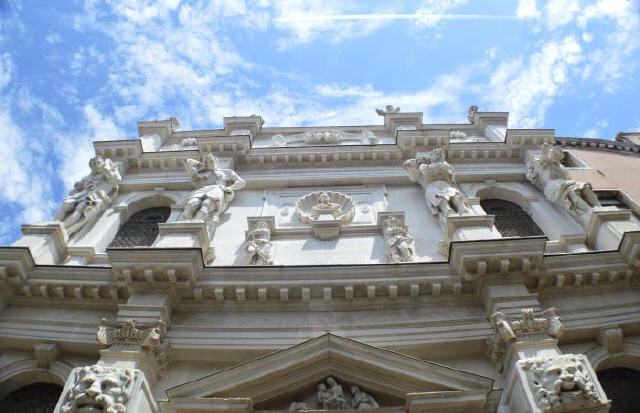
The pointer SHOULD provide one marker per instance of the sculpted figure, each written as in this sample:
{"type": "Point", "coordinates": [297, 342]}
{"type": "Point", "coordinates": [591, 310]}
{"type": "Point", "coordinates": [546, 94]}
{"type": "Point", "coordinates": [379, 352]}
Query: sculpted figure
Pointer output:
{"type": "Point", "coordinates": [560, 381]}
{"type": "Point", "coordinates": [214, 191]}
{"type": "Point", "coordinates": [399, 243]}
{"type": "Point", "coordinates": [546, 173]}
{"type": "Point", "coordinates": [297, 406]}
{"type": "Point", "coordinates": [387, 109]}
{"type": "Point", "coordinates": [440, 188]}
{"type": "Point", "coordinates": [330, 395]}
{"type": "Point", "coordinates": [99, 389]}
{"type": "Point", "coordinates": [258, 247]}
{"type": "Point", "coordinates": [362, 400]}
{"type": "Point", "coordinates": [502, 327]}
{"type": "Point", "coordinates": [90, 196]}
{"type": "Point", "coordinates": [325, 206]}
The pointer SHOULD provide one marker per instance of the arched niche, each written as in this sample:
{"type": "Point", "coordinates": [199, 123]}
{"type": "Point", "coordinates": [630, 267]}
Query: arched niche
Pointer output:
{"type": "Point", "coordinates": [546, 216]}
{"type": "Point", "coordinates": [620, 384]}
{"type": "Point", "coordinates": [24, 373]}
{"type": "Point", "coordinates": [38, 397]}
{"type": "Point", "coordinates": [141, 229]}
{"type": "Point", "coordinates": [126, 208]}
{"type": "Point", "coordinates": [510, 219]}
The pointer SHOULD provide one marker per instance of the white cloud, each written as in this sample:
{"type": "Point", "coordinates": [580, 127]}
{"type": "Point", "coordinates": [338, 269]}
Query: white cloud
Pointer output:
{"type": "Point", "coordinates": [527, 87]}
{"type": "Point", "coordinates": [527, 9]}
{"type": "Point", "coordinates": [597, 130]}
{"type": "Point", "coordinates": [53, 38]}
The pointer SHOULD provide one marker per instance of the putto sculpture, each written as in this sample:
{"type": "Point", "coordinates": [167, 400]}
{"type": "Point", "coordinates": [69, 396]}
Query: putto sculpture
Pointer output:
{"type": "Point", "coordinates": [90, 196]}
{"type": "Point", "coordinates": [441, 190]}
{"type": "Point", "coordinates": [560, 383]}
{"type": "Point", "coordinates": [547, 173]}
{"type": "Point", "coordinates": [258, 247]}
{"type": "Point", "coordinates": [99, 388]}
{"type": "Point", "coordinates": [214, 191]}
{"type": "Point", "coordinates": [398, 242]}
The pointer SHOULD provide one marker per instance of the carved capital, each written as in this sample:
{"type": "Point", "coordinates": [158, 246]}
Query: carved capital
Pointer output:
{"type": "Point", "coordinates": [531, 326]}
{"type": "Point", "coordinates": [146, 338]}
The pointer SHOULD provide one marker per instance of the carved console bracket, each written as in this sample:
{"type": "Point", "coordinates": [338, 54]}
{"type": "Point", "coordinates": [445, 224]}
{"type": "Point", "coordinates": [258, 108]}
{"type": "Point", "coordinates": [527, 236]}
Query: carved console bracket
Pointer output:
{"type": "Point", "coordinates": [497, 258]}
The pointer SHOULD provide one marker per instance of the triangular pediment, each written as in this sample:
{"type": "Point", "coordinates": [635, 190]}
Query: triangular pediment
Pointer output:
{"type": "Point", "coordinates": [276, 380]}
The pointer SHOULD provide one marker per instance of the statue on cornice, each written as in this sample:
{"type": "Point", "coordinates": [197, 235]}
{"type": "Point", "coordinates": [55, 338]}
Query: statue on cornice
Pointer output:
{"type": "Point", "coordinates": [473, 109]}
{"type": "Point", "coordinates": [399, 243]}
{"type": "Point", "coordinates": [387, 109]}
{"type": "Point", "coordinates": [435, 175]}
{"type": "Point", "coordinates": [547, 173]}
{"type": "Point", "coordinates": [214, 191]}
{"type": "Point", "coordinates": [258, 247]}
{"type": "Point", "coordinates": [90, 196]}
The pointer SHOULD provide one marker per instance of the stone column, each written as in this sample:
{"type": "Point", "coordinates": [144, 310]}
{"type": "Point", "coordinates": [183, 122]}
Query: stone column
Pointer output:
{"type": "Point", "coordinates": [540, 378]}
{"type": "Point", "coordinates": [133, 358]}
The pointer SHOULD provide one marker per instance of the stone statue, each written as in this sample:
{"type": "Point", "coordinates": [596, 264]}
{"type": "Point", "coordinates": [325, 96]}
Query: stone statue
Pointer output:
{"type": "Point", "coordinates": [99, 388]}
{"type": "Point", "coordinates": [473, 109]}
{"type": "Point", "coordinates": [560, 382]}
{"type": "Point", "coordinates": [325, 206]}
{"type": "Point", "coordinates": [297, 406]}
{"type": "Point", "coordinates": [214, 191]}
{"type": "Point", "coordinates": [387, 109]}
{"type": "Point", "coordinates": [362, 400]}
{"type": "Point", "coordinates": [330, 395]}
{"type": "Point", "coordinates": [398, 242]}
{"type": "Point", "coordinates": [440, 188]}
{"type": "Point", "coordinates": [546, 173]}
{"type": "Point", "coordinates": [90, 196]}
{"type": "Point", "coordinates": [258, 247]}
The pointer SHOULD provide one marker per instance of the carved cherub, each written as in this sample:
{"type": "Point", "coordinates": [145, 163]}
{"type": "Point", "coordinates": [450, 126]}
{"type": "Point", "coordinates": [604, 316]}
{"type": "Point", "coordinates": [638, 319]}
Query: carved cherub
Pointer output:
{"type": "Point", "coordinates": [258, 247]}
{"type": "Point", "coordinates": [90, 196]}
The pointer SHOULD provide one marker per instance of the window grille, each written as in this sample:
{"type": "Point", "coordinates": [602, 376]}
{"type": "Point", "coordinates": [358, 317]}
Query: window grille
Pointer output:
{"type": "Point", "coordinates": [510, 219]}
{"type": "Point", "coordinates": [141, 229]}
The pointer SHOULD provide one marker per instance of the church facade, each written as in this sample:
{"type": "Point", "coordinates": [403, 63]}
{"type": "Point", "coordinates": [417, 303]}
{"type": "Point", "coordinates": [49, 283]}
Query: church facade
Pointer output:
{"type": "Point", "coordinates": [398, 267]}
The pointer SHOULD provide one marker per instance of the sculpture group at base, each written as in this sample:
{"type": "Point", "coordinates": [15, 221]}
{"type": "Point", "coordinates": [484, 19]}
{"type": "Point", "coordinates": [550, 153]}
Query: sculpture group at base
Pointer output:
{"type": "Point", "coordinates": [330, 396]}
{"type": "Point", "coordinates": [547, 173]}
{"type": "Point", "coordinates": [214, 190]}
{"type": "Point", "coordinates": [441, 190]}
{"type": "Point", "coordinates": [90, 196]}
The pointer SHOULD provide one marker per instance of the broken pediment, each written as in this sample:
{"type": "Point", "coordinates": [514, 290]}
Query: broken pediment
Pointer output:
{"type": "Point", "coordinates": [334, 373]}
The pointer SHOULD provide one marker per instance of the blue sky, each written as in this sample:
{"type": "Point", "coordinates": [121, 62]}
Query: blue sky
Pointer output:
{"type": "Point", "coordinates": [72, 72]}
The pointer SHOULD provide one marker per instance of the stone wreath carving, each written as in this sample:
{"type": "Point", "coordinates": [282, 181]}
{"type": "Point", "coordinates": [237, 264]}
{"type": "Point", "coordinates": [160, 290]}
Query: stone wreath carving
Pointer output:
{"type": "Point", "coordinates": [90, 196]}
{"type": "Point", "coordinates": [99, 388]}
{"type": "Point", "coordinates": [560, 382]}
{"type": "Point", "coordinates": [325, 206]}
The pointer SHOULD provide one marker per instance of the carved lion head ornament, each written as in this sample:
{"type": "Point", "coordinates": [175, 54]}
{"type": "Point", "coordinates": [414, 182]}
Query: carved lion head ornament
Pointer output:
{"type": "Point", "coordinates": [99, 389]}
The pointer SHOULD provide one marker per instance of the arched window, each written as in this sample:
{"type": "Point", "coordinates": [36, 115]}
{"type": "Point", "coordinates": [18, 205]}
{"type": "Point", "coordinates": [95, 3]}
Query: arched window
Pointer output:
{"type": "Point", "coordinates": [621, 386]}
{"type": "Point", "coordinates": [141, 229]}
{"type": "Point", "coordinates": [32, 398]}
{"type": "Point", "coordinates": [511, 220]}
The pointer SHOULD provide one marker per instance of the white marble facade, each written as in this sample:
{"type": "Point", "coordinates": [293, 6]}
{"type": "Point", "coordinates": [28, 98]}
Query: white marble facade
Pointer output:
{"type": "Point", "coordinates": [282, 236]}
